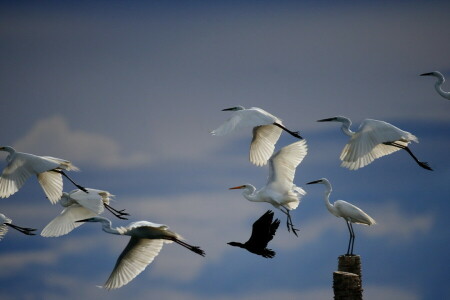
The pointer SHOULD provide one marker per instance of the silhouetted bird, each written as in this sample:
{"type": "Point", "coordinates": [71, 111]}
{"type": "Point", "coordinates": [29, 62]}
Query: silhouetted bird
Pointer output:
{"type": "Point", "coordinates": [262, 233]}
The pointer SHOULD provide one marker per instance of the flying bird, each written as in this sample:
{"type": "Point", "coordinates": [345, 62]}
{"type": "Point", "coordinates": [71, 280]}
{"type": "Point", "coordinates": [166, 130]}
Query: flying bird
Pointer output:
{"type": "Point", "coordinates": [373, 140]}
{"type": "Point", "coordinates": [349, 212]}
{"type": "Point", "coordinates": [263, 231]}
{"type": "Point", "coordinates": [266, 131]}
{"type": "Point", "coordinates": [438, 84]}
{"type": "Point", "coordinates": [79, 205]}
{"type": "Point", "coordinates": [144, 245]}
{"type": "Point", "coordinates": [280, 190]}
{"type": "Point", "coordinates": [5, 223]}
{"type": "Point", "coordinates": [47, 169]}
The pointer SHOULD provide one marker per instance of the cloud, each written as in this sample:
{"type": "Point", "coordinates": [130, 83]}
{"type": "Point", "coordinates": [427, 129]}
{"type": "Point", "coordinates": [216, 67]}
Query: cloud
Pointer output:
{"type": "Point", "coordinates": [54, 137]}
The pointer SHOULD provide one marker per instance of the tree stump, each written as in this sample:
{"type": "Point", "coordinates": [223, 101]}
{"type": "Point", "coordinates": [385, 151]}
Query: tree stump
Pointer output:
{"type": "Point", "coordinates": [347, 283]}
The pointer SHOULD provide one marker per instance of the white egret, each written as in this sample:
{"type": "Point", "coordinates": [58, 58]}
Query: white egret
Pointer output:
{"type": "Point", "coordinates": [144, 245]}
{"type": "Point", "coordinates": [263, 231]}
{"type": "Point", "coordinates": [5, 223]}
{"type": "Point", "coordinates": [47, 169]}
{"type": "Point", "coordinates": [373, 140]}
{"type": "Point", "coordinates": [280, 191]}
{"type": "Point", "coordinates": [266, 131]}
{"type": "Point", "coordinates": [438, 84]}
{"type": "Point", "coordinates": [349, 212]}
{"type": "Point", "coordinates": [79, 205]}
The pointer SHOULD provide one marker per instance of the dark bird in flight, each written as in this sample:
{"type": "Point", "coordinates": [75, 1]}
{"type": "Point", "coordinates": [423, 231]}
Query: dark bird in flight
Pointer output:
{"type": "Point", "coordinates": [262, 233]}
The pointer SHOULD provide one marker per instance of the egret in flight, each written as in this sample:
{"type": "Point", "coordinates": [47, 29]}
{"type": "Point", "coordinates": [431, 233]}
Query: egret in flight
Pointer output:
{"type": "Point", "coordinates": [373, 140]}
{"type": "Point", "coordinates": [263, 231]}
{"type": "Point", "coordinates": [79, 205]}
{"type": "Point", "coordinates": [266, 131]}
{"type": "Point", "coordinates": [47, 169]}
{"type": "Point", "coordinates": [349, 212]}
{"type": "Point", "coordinates": [5, 223]}
{"type": "Point", "coordinates": [280, 190]}
{"type": "Point", "coordinates": [144, 245]}
{"type": "Point", "coordinates": [438, 84]}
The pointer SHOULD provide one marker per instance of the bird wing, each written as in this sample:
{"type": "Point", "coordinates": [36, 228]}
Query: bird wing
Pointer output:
{"type": "Point", "coordinates": [136, 256]}
{"type": "Point", "coordinates": [65, 222]}
{"type": "Point", "coordinates": [14, 175]}
{"type": "Point", "coordinates": [92, 200]}
{"type": "Point", "coordinates": [353, 213]}
{"type": "Point", "coordinates": [263, 230]}
{"type": "Point", "coordinates": [263, 143]}
{"type": "Point", "coordinates": [52, 184]}
{"type": "Point", "coordinates": [3, 231]}
{"type": "Point", "coordinates": [61, 163]}
{"type": "Point", "coordinates": [366, 144]}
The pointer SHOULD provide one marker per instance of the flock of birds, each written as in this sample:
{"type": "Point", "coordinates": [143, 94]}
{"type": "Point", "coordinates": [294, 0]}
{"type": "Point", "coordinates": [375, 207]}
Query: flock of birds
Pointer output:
{"type": "Point", "coordinates": [372, 140]}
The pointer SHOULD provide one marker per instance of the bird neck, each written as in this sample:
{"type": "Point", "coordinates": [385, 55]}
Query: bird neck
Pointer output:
{"type": "Point", "coordinates": [107, 227]}
{"type": "Point", "coordinates": [326, 198]}
{"type": "Point", "coordinates": [236, 244]}
{"type": "Point", "coordinates": [250, 194]}
{"type": "Point", "coordinates": [346, 127]}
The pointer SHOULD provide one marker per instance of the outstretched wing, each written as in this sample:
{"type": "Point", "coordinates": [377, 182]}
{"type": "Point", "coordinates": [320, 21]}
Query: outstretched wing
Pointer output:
{"type": "Point", "coordinates": [65, 222]}
{"type": "Point", "coordinates": [263, 143]}
{"type": "Point", "coordinates": [52, 184]}
{"type": "Point", "coordinates": [263, 231]}
{"type": "Point", "coordinates": [3, 231]}
{"type": "Point", "coordinates": [14, 175]}
{"type": "Point", "coordinates": [92, 200]}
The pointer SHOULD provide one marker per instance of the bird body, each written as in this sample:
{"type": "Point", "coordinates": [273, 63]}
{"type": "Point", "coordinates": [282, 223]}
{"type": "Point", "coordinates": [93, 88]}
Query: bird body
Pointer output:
{"type": "Point", "coordinates": [6, 223]}
{"type": "Point", "coordinates": [146, 241]}
{"type": "Point", "coordinates": [280, 190]}
{"type": "Point", "coordinates": [343, 209]}
{"type": "Point", "coordinates": [266, 131]}
{"type": "Point", "coordinates": [438, 84]}
{"type": "Point", "coordinates": [22, 165]}
{"type": "Point", "coordinates": [372, 140]}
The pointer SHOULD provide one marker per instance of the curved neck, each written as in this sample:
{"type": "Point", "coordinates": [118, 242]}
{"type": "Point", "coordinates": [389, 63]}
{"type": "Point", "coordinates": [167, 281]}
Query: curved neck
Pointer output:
{"type": "Point", "coordinates": [346, 127]}
{"type": "Point", "coordinates": [250, 193]}
{"type": "Point", "coordinates": [326, 198]}
{"type": "Point", "coordinates": [106, 227]}
{"type": "Point", "coordinates": [438, 87]}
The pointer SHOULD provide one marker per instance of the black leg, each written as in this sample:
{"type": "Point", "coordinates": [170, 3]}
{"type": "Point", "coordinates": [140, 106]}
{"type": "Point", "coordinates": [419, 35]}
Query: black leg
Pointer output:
{"type": "Point", "coordinates": [70, 179]}
{"type": "Point", "coordinates": [353, 238]}
{"type": "Point", "coordinates": [351, 235]}
{"type": "Point", "coordinates": [289, 223]}
{"type": "Point", "coordinates": [406, 148]}
{"type": "Point", "coordinates": [24, 230]}
{"type": "Point", "coordinates": [118, 213]}
{"type": "Point", "coordinates": [293, 133]}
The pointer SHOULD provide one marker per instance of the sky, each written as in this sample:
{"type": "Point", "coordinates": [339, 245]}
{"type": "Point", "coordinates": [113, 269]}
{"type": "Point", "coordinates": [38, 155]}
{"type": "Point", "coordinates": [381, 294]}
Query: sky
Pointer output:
{"type": "Point", "coordinates": [129, 91]}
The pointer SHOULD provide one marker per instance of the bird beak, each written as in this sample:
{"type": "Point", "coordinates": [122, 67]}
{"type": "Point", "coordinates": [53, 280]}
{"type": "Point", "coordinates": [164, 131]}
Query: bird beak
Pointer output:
{"type": "Point", "coordinates": [231, 108]}
{"type": "Point", "coordinates": [84, 220]}
{"type": "Point", "coordinates": [326, 120]}
{"type": "Point", "coordinates": [426, 74]}
{"type": "Point", "coordinates": [315, 181]}
{"type": "Point", "coordinates": [237, 187]}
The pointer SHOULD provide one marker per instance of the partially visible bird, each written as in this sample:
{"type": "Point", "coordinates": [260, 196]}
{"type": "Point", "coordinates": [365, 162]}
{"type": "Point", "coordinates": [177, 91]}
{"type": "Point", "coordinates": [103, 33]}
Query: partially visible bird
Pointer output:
{"type": "Point", "coordinates": [47, 169]}
{"type": "Point", "coordinates": [5, 222]}
{"type": "Point", "coordinates": [349, 212]}
{"type": "Point", "coordinates": [280, 190]}
{"type": "Point", "coordinates": [373, 140]}
{"type": "Point", "coordinates": [438, 85]}
{"type": "Point", "coordinates": [79, 205]}
{"type": "Point", "coordinates": [263, 231]}
{"type": "Point", "coordinates": [266, 131]}
{"type": "Point", "coordinates": [144, 245]}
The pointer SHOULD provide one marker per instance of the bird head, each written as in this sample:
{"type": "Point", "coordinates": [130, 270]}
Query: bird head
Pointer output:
{"type": "Point", "coordinates": [334, 119]}
{"type": "Point", "coordinates": [239, 187]}
{"type": "Point", "coordinates": [434, 73]}
{"type": "Point", "coordinates": [235, 244]}
{"type": "Point", "coordinates": [7, 148]}
{"type": "Point", "coordinates": [322, 180]}
{"type": "Point", "coordinates": [234, 108]}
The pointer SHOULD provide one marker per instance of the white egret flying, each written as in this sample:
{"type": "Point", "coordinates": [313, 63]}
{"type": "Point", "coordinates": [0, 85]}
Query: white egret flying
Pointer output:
{"type": "Point", "coordinates": [263, 231]}
{"type": "Point", "coordinates": [144, 245]}
{"type": "Point", "coordinates": [373, 140]}
{"type": "Point", "coordinates": [438, 84]}
{"type": "Point", "coordinates": [47, 169]}
{"type": "Point", "coordinates": [280, 190]}
{"type": "Point", "coordinates": [79, 205]}
{"type": "Point", "coordinates": [349, 212]}
{"type": "Point", "coordinates": [266, 131]}
{"type": "Point", "coordinates": [5, 223]}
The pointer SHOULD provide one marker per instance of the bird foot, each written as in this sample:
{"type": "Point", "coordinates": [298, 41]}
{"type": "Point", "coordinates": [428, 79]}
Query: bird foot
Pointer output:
{"type": "Point", "coordinates": [425, 165]}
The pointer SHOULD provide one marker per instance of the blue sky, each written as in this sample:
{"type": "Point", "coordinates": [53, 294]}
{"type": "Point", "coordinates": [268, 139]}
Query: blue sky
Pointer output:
{"type": "Point", "coordinates": [129, 92]}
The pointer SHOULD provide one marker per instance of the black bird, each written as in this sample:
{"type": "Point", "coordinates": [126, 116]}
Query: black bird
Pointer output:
{"type": "Point", "coordinates": [262, 233]}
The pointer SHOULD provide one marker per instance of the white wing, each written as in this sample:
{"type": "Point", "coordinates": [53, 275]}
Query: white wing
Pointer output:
{"type": "Point", "coordinates": [263, 143]}
{"type": "Point", "coordinates": [353, 213]}
{"type": "Point", "coordinates": [366, 144]}
{"type": "Point", "coordinates": [14, 175]}
{"type": "Point", "coordinates": [65, 222]}
{"type": "Point", "coordinates": [136, 256]}
{"type": "Point", "coordinates": [3, 231]}
{"type": "Point", "coordinates": [52, 184]}
{"type": "Point", "coordinates": [93, 200]}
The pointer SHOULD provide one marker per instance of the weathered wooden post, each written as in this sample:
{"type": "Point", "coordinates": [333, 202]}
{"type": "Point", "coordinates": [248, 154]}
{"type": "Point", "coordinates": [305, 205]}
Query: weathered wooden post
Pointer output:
{"type": "Point", "coordinates": [347, 283]}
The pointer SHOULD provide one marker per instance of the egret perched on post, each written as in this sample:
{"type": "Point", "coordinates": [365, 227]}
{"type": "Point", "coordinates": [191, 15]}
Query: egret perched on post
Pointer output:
{"type": "Point", "coordinates": [263, 231]}
{"type": "Point", "coordinates": [349, 212]}
{"type": "Point", "coordinates": [47, 169]}
{"type": "Point", "coordinates": [79, 205]}
{"type": "Point", "coordinates": [144, 245]}
{"type": "Point", "coordinates": [280, 190]}
{"type": "Point", "coordinates": [373, 140]}
{"type": "Point", "coordinates": [5, 222]}
{"type": "Point", "coordinates": [438, 84]}
{"type": "Point", "coordinates": [266, 131]}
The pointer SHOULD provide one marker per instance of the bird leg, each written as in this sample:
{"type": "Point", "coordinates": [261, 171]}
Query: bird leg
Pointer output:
{"type": "Point", "coordinates": [406, 148]}
{"type": "Point", "coordinates": [289, 223]}
{"type": "Point", "coordinates": [293, 133]}
{"type": "Point", "coordinates": [25, 230]}
{"type": "Point", "coordinates": [351, 241]}
{"type": "Point", "coordinates": [115, 212]}
{"type": "Point", "coordinates": [70, 179]}
{"type": "Point", "coordinates": [195, 249]}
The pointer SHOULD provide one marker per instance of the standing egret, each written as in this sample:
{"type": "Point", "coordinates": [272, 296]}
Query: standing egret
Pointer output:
{"type": "Point", "coordinates": [79, 205]}
{"type": "Point", "coordinates": [349, 212]}
{"type": "Point", "coordinates": [144, 245]}
{"type": "Point", "coordinates": [47, 169]}
{"type": "Point", "coordinates": [263, 231]}
{"type": "Point", "coordinates": [5, 222]}
{"type": "Point", "coordinates": [266, 131]}
{"type": "Point", "coordinates": [373, 140]}
{"type": "Point", "coordinates": [280, 191]}
{"type": "Point", "coordinates": [438, 84]}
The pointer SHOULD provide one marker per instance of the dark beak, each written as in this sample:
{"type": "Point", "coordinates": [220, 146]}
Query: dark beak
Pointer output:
{"type": "Point", "coordinates": [426, 74]}
{"type": "Point", "coordinates": [226, 109]}
{"type": "Point", "coordinates": [315, 181]}
{"type": "Point", "coordinates": [326, 120]}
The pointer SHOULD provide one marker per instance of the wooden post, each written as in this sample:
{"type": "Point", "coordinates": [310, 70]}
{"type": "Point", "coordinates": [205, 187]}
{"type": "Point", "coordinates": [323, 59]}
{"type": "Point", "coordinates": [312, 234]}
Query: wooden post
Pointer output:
{"type": "Point", "coordinates": [347, 283]}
